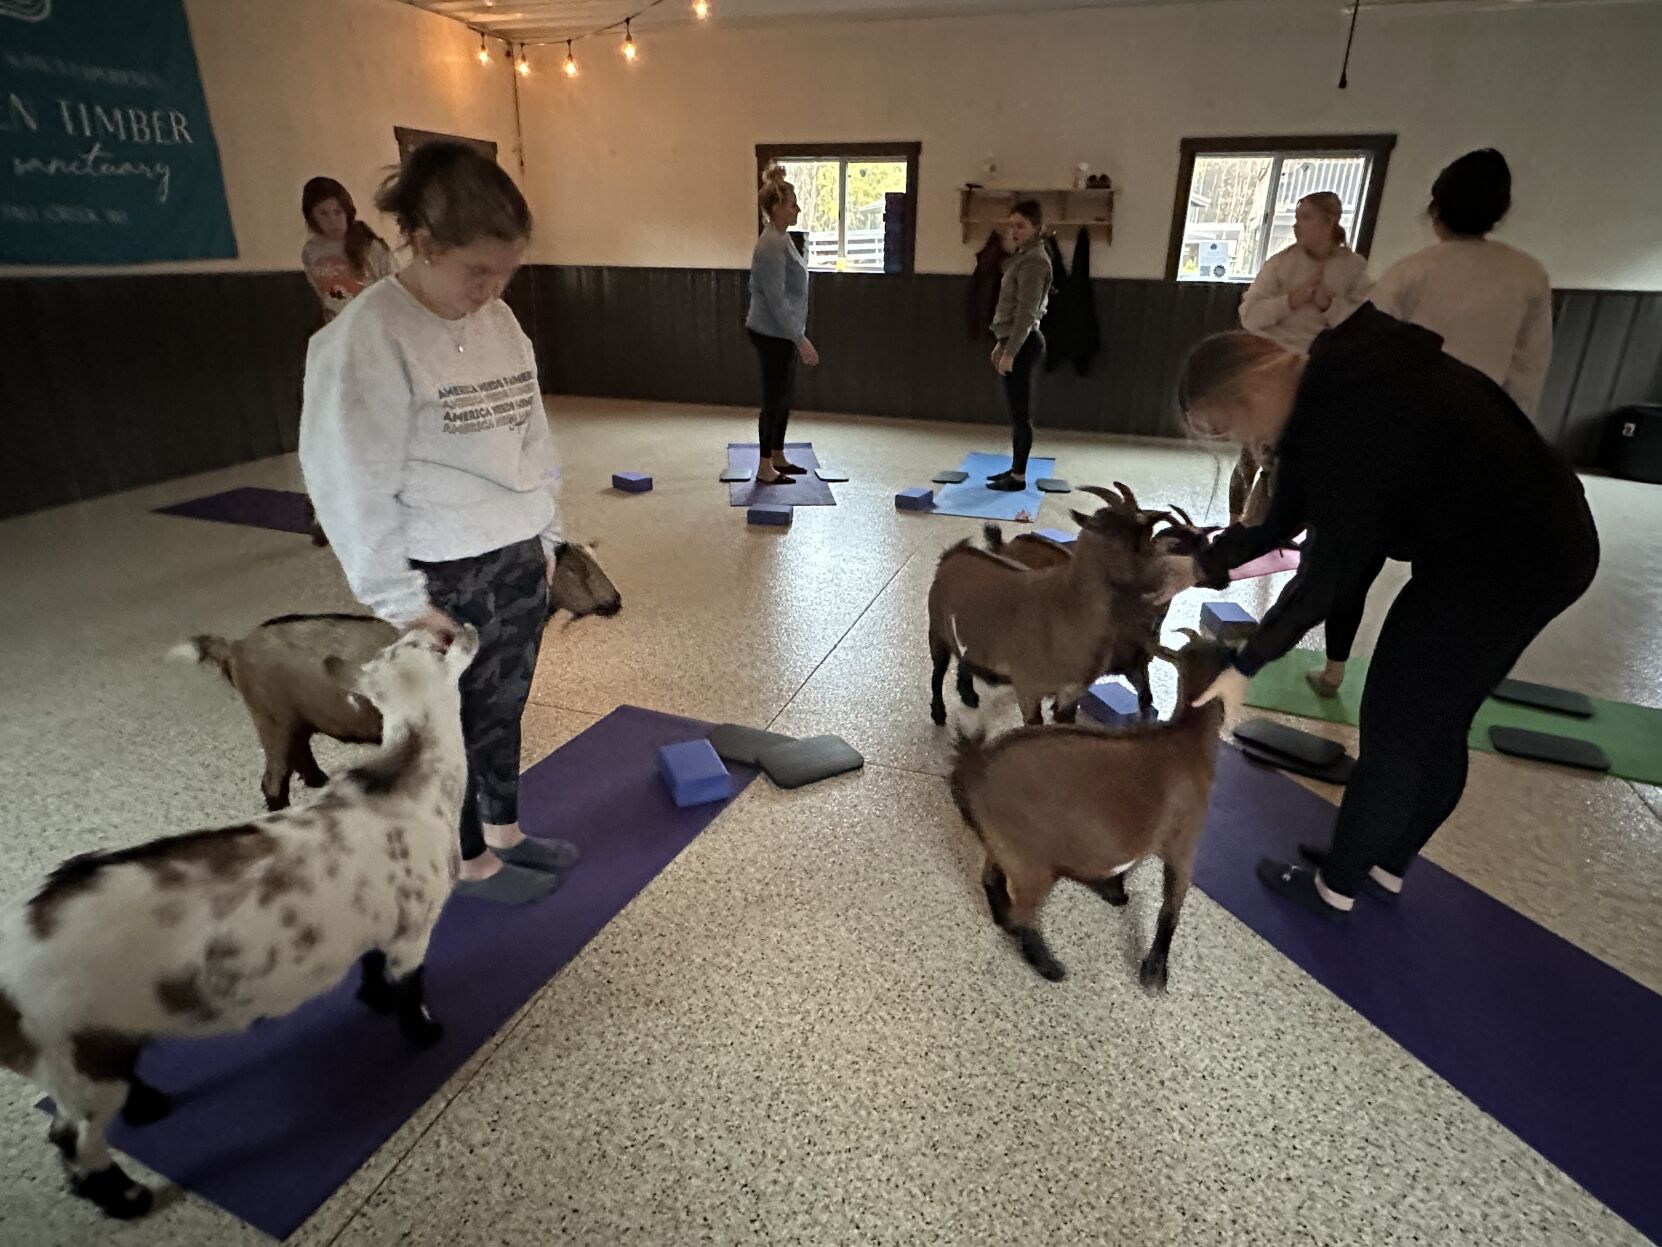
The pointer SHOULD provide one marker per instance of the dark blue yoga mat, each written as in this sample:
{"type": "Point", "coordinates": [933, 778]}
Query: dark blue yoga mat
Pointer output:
{"type": "Point", "coordinates": [270, 1122]}
{"type": "Point", "coordinates": [1560, 1048]}
{"type": "Point", "coordinates": [279, 509]}
{"type": "Point", "coordinates": [973, 498]}
{"type": "Point", "coordinates": [806, 490]}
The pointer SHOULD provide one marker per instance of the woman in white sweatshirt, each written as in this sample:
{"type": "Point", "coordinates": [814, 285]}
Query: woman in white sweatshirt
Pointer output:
{"type": "Point", "coordinates": [1490, 303]}
{"type": "Point", "coordinates": [1311, 286]}
{"type": "Point", "coordinates": [429, 459]}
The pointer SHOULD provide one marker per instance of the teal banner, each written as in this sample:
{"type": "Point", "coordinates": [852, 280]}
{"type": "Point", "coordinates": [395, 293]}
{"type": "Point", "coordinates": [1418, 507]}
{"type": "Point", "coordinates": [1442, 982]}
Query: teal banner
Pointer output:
{"type": "Point", "coordinates": [107, 155]}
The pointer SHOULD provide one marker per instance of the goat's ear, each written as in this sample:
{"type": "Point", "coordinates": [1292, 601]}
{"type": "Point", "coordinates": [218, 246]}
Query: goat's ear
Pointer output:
{"type": "Point", "coordinates": [335, 667]}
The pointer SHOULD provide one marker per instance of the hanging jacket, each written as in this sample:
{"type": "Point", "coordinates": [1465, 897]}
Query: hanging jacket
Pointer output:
{"type": "Point", "coordinates": [1058, 324]}
{"type": "Point", "coordinates": [1084, 328]}
{"type": "Point", "coordinates": [982, 302]}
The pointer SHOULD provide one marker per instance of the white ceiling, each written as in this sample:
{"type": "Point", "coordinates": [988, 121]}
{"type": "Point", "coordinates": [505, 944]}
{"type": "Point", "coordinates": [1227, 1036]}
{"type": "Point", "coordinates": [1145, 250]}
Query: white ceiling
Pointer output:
{"type": "Point", "coordinates": [553, 21]}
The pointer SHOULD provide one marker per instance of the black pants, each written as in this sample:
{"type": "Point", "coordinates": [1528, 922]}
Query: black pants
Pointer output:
{"type": "Point", "coordinates": [778, 356]}
{"type": "Point", "coordinates": [1018, 390]}
{"type": "Point", "coordinates": [504, 594]}
{"type": "Point", "coordinates": [1452, 634]}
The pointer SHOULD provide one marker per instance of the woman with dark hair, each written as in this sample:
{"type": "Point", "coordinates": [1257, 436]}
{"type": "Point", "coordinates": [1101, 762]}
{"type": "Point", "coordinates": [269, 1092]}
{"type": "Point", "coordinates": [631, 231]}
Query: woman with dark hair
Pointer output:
{"type": "Point", "coordinates": [1490, 303]}
{"type": "Point", "coordinates": [343, 255]}
{"type": "Point", "coordinates": [1379, 437]}
{"type": "Point", "coordinates": [428, 456]}
{"type": "Point", "coordinates": [777, 322]}
{"type": "Point", "coordinates": [1023, 295]}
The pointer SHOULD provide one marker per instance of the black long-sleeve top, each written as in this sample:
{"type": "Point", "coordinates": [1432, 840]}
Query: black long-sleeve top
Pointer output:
{"type": "Point", "coordinates": [1395, 450]}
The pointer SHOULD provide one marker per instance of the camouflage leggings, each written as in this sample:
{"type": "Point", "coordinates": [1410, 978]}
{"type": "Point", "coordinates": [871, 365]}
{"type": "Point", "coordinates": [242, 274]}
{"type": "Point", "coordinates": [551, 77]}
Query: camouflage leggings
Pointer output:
{"type": "Point", "coordinates": [504, 594]}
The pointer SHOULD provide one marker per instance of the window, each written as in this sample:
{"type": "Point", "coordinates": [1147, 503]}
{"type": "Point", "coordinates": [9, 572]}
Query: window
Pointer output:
{"type": "Point", "coordinates": [1236, 196]}
{"type": "Point", "coordinates": [858, 200]}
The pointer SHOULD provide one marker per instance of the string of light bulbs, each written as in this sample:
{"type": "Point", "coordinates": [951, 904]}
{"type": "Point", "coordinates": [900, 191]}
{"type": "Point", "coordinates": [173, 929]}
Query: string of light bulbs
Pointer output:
{"type": "Point", "coordinates": [629, 49]}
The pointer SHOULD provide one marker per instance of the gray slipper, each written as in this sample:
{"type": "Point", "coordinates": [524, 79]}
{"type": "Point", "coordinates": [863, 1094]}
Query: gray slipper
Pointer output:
{"type": "Point", "coordinates": [512, 885]}
{"type": "Point", "coordinates": [544, 855]}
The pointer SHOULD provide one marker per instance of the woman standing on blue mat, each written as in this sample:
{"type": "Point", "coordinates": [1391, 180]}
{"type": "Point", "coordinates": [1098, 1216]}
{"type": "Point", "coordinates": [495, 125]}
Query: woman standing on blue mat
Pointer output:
{"type": "Point", "coordinates": [777, 322]}
{"type": "Point", "coordinates": [1023, 295]}
{"type": "Point", "coordinates": [1389, 448]}
{"type": "Point", "coordinates": [427, 453]}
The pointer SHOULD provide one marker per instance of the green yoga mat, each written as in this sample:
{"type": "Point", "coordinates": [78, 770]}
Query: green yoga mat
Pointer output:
{"type": "Point", "coordinates": [1631, 736]}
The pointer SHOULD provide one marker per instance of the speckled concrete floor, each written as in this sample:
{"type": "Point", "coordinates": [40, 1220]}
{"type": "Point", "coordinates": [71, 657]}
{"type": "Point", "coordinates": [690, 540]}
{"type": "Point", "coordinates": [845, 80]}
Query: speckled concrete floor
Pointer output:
{"type": "Point", "coordinates": [805, 1030]}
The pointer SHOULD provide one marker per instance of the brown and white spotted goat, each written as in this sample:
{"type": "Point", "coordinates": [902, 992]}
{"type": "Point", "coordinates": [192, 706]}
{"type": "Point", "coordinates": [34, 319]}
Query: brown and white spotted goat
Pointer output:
{"type": "Point", "coordinates": [203, 933]}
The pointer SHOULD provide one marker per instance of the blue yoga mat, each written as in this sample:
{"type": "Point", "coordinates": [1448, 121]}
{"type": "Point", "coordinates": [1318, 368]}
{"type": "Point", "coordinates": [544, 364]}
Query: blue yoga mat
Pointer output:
{"type": "Point", "coordinates": [972, 497]}
{"type": "Point", "coordinates": [806, 490]}
{"type": "Point", "coordinates": [270, 1122]}
{"type": "Point", "coordinates": [1560, 1048]}
{"type": "Point", "coordinates": [281, 510]}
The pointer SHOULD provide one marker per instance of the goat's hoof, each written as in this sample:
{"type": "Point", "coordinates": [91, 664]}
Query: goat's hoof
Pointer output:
{"type": "Point", "coordinates": [1053, 971]}
{"type": "Point", "coordinates": [938, 713]}
{"type": "Point", "coordinates": [317, 779]}
{"type": "Point", "coordinates": [145, 1105]}
{"type": "Point", "coordinates": [421, 1029]}
{"type": "Point", "coordinates": [114, 1192]}
{"type": "Point", "coordinates": [971, 700]}
{"type": "Point", "coordinates": [1152, 974]}
{"type": "Point", "coordinates": [377, 996]}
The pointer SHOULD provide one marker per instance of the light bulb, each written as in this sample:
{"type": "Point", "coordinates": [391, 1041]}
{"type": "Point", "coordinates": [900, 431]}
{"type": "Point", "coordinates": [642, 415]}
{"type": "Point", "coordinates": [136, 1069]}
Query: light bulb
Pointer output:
{"type": "Point", "coordinates": [484, 52]}
{"type": "Point", "coordinates": [630, 52]}
{"type": "Point", "coordinates": [701, 8]}
{"type": "Point", "coordinates": [571, 62]}
{"type": "Point", "coordinates": [524, 66]}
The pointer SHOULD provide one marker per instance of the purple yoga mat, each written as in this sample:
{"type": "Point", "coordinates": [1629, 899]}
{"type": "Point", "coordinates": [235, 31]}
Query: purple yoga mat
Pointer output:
{"type": "Point", "coordinates": [1557, 1046]}
{"type": "Point", "coordinates": [279, 509]}
{"type": "Point", "coordinates": [806, 491]}
{"type": "Point", "coordinates": [270, 1122]}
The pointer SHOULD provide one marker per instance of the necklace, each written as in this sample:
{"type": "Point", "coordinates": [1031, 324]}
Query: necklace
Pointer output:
{"type": "Point", "coordinates": [457, 329]}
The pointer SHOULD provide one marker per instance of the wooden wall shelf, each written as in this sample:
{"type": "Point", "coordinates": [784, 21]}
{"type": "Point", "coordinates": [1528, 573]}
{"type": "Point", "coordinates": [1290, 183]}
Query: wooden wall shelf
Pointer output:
{"type": "Point", "coordinates": [982, 209]}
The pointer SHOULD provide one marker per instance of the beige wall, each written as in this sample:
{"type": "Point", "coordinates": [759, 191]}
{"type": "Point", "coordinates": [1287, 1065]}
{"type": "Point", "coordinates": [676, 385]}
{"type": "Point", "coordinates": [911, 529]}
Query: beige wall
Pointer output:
{"type": "Point", "coordinates": [655, 165]}
{"type": "Point", "coordinates": [304, 87]}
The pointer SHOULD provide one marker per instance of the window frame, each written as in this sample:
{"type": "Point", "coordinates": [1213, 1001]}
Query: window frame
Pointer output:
{"type": "Point", "coordinates": [1377, 146]}
{"type": "Point", "coordinates": [767, 153]}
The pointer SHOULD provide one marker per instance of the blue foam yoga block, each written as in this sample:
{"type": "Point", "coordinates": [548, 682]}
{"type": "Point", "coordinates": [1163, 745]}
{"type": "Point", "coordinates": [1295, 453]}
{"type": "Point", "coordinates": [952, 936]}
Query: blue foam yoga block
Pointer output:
{"type": "Point", "coordinates": [1060, 536]}
{"type": "Point", "coordinates": [631, 482]}
{"type": "Point", "coordinates": [1226, 621]}
{"type": "Point", "coordinates": [1110, 701]}
{"type": "Point", "coordinates": [695, 773]}
{"type": "Point", "coordinates": [769, 513]}
{"type": "Point", "coordinates": [915, 499]}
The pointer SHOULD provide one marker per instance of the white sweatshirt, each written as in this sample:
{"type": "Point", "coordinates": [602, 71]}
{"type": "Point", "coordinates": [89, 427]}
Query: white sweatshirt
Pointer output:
{"type": "Point", "coordinates": [1267, 309]}
{"type": "Point", "coordinates": [1491, 303]}
{"type": "Point", "coordinates": [423, 438]}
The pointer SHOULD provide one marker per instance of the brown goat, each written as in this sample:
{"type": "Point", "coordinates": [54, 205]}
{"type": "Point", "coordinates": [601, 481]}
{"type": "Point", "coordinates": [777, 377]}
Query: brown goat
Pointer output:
{"type": "Point", "coordinates": [279, 669]}
{"type": "Point", "coordinates": [1138, 633]}
{"type": "Point", "coordinates": [1086, 804]}
{"type": "Point", "coordinates": [1047, 632]}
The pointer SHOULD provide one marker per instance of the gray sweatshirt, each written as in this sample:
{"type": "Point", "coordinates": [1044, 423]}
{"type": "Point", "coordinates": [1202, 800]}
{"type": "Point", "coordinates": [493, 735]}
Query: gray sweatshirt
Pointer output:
{"type": "Point", "coordinates": [778, 288]}
{"type": "Point", "coordinates": [423, 438]}
{"type": "Point", "coordinates": [1023, 294]}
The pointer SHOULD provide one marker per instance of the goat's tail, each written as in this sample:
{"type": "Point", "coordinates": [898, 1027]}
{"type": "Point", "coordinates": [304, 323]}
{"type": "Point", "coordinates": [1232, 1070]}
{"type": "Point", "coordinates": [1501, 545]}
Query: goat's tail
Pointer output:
{"type": "Point", "coordinates": [204, 650]}
{"type": "Point", "coordinates": [993, 535]}
{"type": "Point", "coordinates": [970, 767]}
